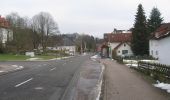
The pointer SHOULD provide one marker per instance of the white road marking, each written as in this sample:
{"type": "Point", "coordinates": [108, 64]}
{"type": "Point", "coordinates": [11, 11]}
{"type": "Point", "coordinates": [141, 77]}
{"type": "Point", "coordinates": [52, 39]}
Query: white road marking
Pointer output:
{"type": "Point", "coordinates": [23, 82]}
{"type": "Point", "coordinates": [38, 88]}
{"type": "Point", "coordinates": [53, 69]}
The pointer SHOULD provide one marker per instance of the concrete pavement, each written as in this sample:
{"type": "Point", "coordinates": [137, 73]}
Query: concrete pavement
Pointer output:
{"type": "Point", "coordinates": [89, 82]}
{"type": "Point", "coordinates": [122, 83]}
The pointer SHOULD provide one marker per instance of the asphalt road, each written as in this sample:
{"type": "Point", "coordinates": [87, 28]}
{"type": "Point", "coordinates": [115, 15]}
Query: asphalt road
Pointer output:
{"type": "Point", "coordinates": [39, 80]}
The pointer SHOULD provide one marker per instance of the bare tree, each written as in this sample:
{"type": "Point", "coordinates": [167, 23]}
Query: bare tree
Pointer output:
{"type": "Point", "coordinates": [44, 24]}
{"type": "Point", "coordinates": [21, 32]}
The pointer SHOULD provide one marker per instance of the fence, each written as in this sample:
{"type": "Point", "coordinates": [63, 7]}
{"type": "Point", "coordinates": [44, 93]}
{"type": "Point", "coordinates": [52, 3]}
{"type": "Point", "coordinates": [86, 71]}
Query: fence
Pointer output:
{"type": "Point", "coordinates": [158, 71]}
{"type": "Point", "coordinates": [139, 57]}
{"type": "Point", "coordinates": [118, 59]}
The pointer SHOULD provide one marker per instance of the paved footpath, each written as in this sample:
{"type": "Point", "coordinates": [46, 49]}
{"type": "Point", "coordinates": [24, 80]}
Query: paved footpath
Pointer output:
{"type": "Point", "coordinates": [123, 83]}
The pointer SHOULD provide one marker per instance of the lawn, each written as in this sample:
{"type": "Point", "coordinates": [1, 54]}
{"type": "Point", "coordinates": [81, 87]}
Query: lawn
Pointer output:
{"type": "Point", "coordinates": [10, 57]}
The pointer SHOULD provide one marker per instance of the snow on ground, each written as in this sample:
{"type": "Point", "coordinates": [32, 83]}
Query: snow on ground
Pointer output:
{"type": "Point", "coordinates": [163, 86]}
{"type": "Point", "coordinates": [151, 61]}
{"type": "Point", "coordinates": [130, 61]}
{"type": "Point", "coordinates": [95, 56]}
{"type": "Point", "coordinates": [1, 71]}
{"type": "Point", "coordinates": [32, 59]}
{"type": "Point", "coordinates": [136, 61]}
{"type": "Point", "coordinates": [16, 67]}
{"type": "Point", "coordinates": [132, 65]}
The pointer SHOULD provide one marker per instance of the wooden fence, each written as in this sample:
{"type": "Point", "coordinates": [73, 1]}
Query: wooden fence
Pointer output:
{"type": "Point", "coordinates": [158, 71]}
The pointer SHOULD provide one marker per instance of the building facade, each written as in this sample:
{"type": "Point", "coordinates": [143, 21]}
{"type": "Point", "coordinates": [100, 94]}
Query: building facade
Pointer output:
{"type": "Point", "coordinates": [159, 44]}
{"type": "Point", "coordinates": [118, 43]}
{"type": "Point", "coordinates": [6, 33]}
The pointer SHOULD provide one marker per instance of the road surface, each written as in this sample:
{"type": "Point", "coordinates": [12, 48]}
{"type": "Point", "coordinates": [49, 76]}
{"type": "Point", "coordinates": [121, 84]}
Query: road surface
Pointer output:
{"type": "Point", "coordinates": [39, 80]}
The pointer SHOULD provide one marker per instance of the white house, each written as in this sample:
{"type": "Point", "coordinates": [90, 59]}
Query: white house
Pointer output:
{"type": "Point", "coordinates": [68, 49]}
{"type": "Point", "coordinates": [5, 33]}
{"type": "Point", "coordinates": [159, 44]}
{"type": "Point", "coordinates": [118, 43]}
{"type": "Point", "coordinates": [68, 44]}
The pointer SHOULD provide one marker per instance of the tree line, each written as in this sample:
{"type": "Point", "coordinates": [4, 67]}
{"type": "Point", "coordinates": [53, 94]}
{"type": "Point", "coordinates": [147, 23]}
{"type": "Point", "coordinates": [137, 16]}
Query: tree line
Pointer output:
{"type": "Point", "coordinates": [38, 33]}
{"type": "Point", "coordinates": [142, 29]}
{"type": "Point", "coordinates": [31, 33]}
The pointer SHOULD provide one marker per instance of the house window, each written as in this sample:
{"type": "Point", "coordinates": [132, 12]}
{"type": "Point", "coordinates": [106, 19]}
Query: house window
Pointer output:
{"type": "Point", "coordinates": [156, 52]}
{"type": "Point", "coordinates": [124, 45]}
{"type": "Point", "coordinates": [119, 51]}
{"type": "Point", "coordinates": [124, 51]}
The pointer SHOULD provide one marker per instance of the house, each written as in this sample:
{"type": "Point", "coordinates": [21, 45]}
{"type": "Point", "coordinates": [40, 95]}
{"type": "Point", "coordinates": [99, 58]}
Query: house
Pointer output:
{"type": "Point", "coordinates": [159, 44]}
{"type": "Point", "coordinates": [117, 43]}
{"type": "Point", "coordinates": [68, 45]}
{"type": "Point", "coordinates": [5, 33]}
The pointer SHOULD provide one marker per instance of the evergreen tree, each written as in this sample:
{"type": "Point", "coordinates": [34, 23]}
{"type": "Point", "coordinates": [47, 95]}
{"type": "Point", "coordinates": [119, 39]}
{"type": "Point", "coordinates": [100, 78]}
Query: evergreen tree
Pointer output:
{"type": "Point", "coordinates": [140, 41]}
{"type": "Point", "coordinates": [154, 20]}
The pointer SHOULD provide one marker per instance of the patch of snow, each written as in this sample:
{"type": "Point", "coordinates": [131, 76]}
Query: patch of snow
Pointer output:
{"type": "Point", "coordinates": [17, 67]}
{"type": "Point", "coordinates": [132, 65]}
{"type": "Point", "coordinates": [14, 65]}
{"type": "Point", "coordinates": [58, 58]}
{"type": "Point", "coordinates": [20, 67]}
{"type": "Point", "coordinates": [95, 56]}
{"type": "Point", "coordinates": [163, 86]}
{"type": "Point", "coordinates": [130, 61]}
{"type": "Point", "coordinates": [1, 71]}
{"type": "Point", "coordinates": [136, 61]}
{"type": "Point", "coordinates": [32, 59]}
{"type": "Point", "coordinates": [151, 61]}
{"type": "Point", "coordinates": [53, 59]}
{"type": "Point", "coordinates": [84, 53]}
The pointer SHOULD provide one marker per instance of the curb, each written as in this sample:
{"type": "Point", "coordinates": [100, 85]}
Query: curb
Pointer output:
{"type": "Point", "coordinates": [100, 82]}
{"type": "Point", "coordinates": [76, 86]}
{"type": "Point", "coordinates": [71, 87]}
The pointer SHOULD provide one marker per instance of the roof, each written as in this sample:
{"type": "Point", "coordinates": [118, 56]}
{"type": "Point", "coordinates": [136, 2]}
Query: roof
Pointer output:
{"type": "Point", "coordinates": [119, 37]}
{"type": "Point", "coordinates": [3, 22]}
{"type": "Point", "coordinates": [161, 32]}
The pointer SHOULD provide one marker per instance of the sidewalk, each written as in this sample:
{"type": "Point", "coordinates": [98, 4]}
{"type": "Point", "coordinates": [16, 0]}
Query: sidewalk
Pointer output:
{"type": "Point", "coordinates": [5, 68]}
{"type": "Point", "coordinates": [86, 83]}
{"type": "Point", "coordinates": [122, 83]}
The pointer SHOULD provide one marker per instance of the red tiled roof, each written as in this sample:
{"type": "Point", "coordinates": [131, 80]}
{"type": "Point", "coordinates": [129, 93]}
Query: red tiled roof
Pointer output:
{"type": "Point", "coordinates": [3, 22]}
{"type": "Point", "coordinates": [162, 31]}
{"type": "Point", "coordinates": [119, 37]}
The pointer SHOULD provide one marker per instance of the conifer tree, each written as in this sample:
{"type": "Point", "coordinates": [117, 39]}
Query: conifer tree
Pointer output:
{"type": "Point", "coordinates": [154, 20]}
{"type": "Point", "coordinates": [140, 40]}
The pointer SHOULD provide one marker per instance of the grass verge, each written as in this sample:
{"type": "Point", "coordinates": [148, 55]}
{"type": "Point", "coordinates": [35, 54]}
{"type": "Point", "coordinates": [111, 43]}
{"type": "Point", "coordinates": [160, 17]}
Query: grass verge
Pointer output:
{"type": "Point", "coordinates": [11, 57]}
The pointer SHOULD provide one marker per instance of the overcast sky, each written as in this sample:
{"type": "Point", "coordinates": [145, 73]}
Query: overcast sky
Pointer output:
{"type": "Point", "coordinates": [93, 17]}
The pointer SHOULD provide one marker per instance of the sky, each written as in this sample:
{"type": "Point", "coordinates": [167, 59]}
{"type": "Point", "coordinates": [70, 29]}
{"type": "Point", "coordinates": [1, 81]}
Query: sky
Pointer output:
{"type": "Point", "coordinates": [94, 17]}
